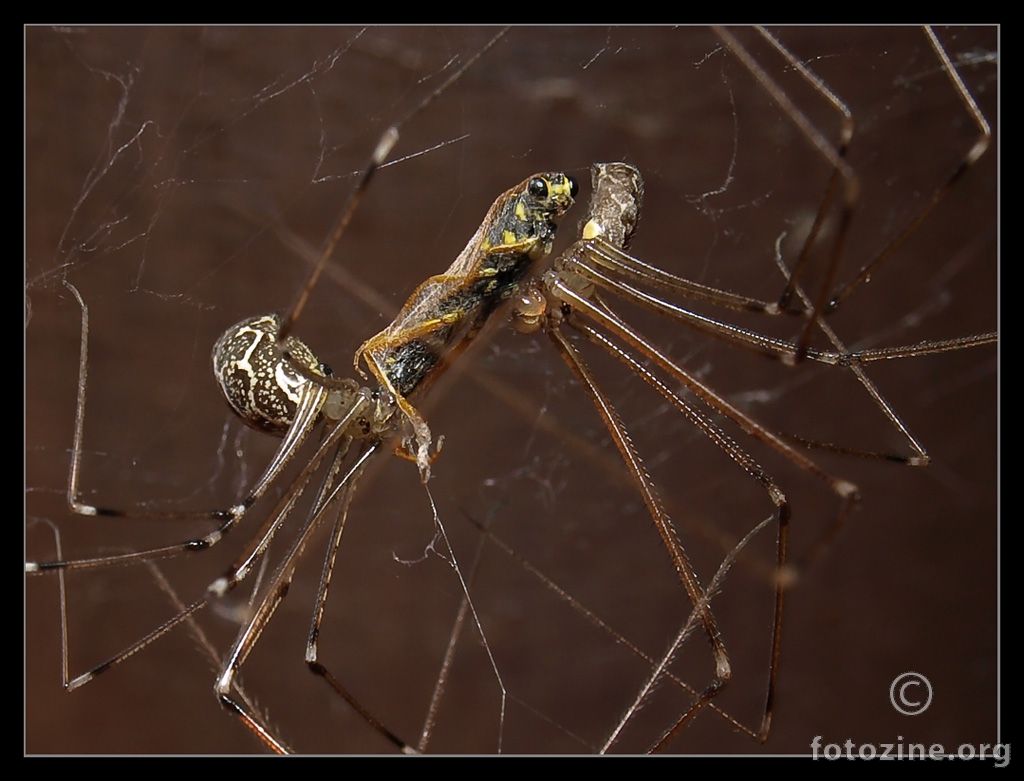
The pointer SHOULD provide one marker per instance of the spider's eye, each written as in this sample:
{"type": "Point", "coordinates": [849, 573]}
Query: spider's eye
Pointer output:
{"type": "Point", "coordinates": [574, 187]}
{"type": "Point", "coordinates": [538, 188]}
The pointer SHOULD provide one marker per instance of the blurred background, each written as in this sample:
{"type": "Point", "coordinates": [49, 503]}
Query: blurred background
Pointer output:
{"type": "Point", "coordinates": [183, 178]}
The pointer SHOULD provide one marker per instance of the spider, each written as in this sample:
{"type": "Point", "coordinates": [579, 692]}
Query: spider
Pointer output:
{"type": "Point", "coordinates": [497, 488]}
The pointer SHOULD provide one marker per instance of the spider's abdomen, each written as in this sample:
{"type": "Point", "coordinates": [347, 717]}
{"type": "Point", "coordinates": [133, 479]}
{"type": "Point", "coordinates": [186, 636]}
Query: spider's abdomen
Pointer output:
{"type": "Point", "coordinates": [258, 384]}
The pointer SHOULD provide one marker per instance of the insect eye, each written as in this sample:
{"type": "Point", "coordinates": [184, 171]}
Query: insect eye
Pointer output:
{"type": "Point", "coordinates": [574, 187]}
{"type": "Point", "coordinates": [538, 188]}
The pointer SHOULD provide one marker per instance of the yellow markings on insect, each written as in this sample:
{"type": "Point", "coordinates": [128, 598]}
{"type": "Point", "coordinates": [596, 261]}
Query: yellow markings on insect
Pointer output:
{"type": "Point", "coordinates": [510, 242]}
{"type": "Point", "coordinates": [448, 310]}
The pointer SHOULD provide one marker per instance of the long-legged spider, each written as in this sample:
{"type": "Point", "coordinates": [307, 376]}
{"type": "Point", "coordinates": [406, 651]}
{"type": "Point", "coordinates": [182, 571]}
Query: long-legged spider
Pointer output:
{"type": "Point", "coordinates": [570, 109]}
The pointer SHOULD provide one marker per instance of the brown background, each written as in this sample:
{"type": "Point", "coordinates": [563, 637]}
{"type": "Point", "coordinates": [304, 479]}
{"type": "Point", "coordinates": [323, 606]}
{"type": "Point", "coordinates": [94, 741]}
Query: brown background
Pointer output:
{"type": "Point", "coordinates": [243, 137]}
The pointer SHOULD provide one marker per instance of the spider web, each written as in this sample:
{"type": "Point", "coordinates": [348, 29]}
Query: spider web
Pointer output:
{"type": "Point", "coordinates": [182, 178]}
